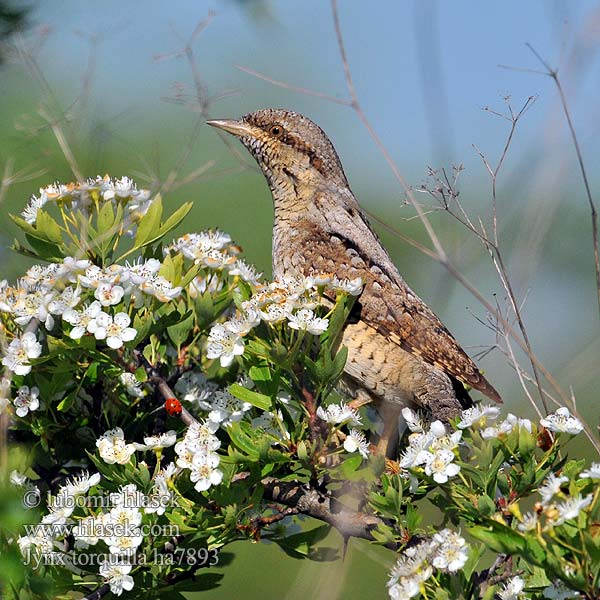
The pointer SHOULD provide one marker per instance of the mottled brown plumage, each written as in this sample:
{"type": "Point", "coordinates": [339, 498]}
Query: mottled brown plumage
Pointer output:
{"type": "Point", "coordinates": [399, 351]}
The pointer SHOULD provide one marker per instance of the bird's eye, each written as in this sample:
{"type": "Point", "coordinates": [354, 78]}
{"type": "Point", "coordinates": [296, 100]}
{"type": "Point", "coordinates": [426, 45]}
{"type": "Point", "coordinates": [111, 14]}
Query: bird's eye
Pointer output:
{"type": "Point", "coordinates": [276, 130]}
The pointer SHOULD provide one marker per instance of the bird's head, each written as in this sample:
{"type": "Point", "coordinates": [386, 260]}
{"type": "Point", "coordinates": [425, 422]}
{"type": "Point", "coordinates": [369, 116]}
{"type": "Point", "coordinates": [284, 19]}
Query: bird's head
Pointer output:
{"type": "Point", "coordinates": [292, 151]}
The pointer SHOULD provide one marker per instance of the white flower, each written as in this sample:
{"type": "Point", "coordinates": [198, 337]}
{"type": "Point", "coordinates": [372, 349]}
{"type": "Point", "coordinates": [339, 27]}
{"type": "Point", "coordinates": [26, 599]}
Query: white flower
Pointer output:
{"type": "Point", "coordinates": [131, 384]}
{"type": "Point", "coordinates": [405, 588]}
{"type": "Point", "coordinates": [41, 541]}
{"type": "Point", "coordinates": [68, 298]}
{"type": "Point", "coordinates": [318, 279]}
{"type": "Point", "coordinates": [339, 414]}
{"type": "Point", "coordinates": [224, 345]}
{"type": "Point", "coordinates": [274, 313]}
{"type": "Point", "coordinates": [506, 427]}
{"type": "Point", "coordinates": [19, 351]}
{"type": "Point", "coordinates": [160, 288]}
{"type": "Point", "coordinates": [592, 473]}
{"type": "Point", "coordinates": [559, 591]}
{"type": "Point", "coordinates": [350, 286]}
{"type": "Point", "coordinates": [551, 487]}
{"type": "Point", "coordinates": [305, 320]}
{"type": "Point", "coordinates": [86, 531]}
{"type": "Point", "coordinates": [562, 421]}
{"type": "Point", "coordinates": [128, 497]}
{"type": "Point", "coordinates": [225, 409]}
{"type": "Point", "coordinates": [82, 484]}
{"type": "Point", "coordinates": [452, 551]}
{"type": "Point", "coordinates": [71, 267]}
{"type": "Point", "coordinates": [199, 440]}
{"type": "Point", "coordinates": [413, 421]}
{"type": "Point", "coordinates": [125, 544]}
{"type": "Point", "coordinates": [195, 387]}
{"type": "Point", "coordinates": [410, 571]}
{"type": "Point", "coordinates": [35, 305]}
{"type": "Point", "coordinates": [570, 509]}
{"type": "Point", "coordinates": [108, 294]}
{"type": "Point", "coordinates": [26, 400]}
{"type": "Point", "coordinates": [357, 441]}
{"type": "Point", "coordinates": [60, 508]}
{"type": "Point", "coordinates": [112, 447]}
{"type": "Point", "coordinates": [245, 271]}
{"type": "Point", "coordinates": [440, 465]}
{"type": "Point", "coordinates": [271, 423]}
{"type": "Point", "coordinates": [154, 442]}
{"type": "Point", "coordinates": [31, 210]}
{"type": "Point", "coordinates": [529, 522]}
{"type": "Point", "coordinates": [117, 576]}
{"type": "Point", "coordinates": [477, 416]}
{"type": "Point", "coordinates": [115, 329]}
{"type": "Point", "coordinates": [241, 324]}
{"type": "Point", "coordinates": [82, 320]}
{"type": "Point", "coordinates": [512, 589]}
{"type": "Point", "coordinates": [18, 479]}
{"type": "Point", "coordinates": [204, 471]}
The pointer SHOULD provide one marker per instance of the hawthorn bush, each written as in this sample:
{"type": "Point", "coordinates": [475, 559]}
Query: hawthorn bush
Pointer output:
{"type": "Point", "coordinates": [164, 401]}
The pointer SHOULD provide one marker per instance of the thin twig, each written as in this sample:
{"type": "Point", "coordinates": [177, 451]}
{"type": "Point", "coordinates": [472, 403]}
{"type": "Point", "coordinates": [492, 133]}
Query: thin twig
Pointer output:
{"type": "Point", "coordinates": [294, 88]}
{"type": "Point", "coordinates": [553, 74]}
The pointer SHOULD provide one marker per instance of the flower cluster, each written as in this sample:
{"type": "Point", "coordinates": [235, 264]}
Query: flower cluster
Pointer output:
{"type": "Point", "coordinates": [507, 426]}
{"type": "Point", "coordinates": [446, 551]}
{"type": "Point", "coordinates": [431, 450]}
{"type": "Point", "coordinates": [555, 512]}
{"type": "Point", "coordinates": [290, 300]}
{"type": "Point", "coordinates": [215, 250]}
{"type": "Point", "coordinates": [337, 415]}
{"type": "Point", "coordinates": [76, 196]}
{"type": "Point", "coordinates": [118, 526]}
{"type": "Point", "coordinates": [219, 407]}
{"type": "Point", "coordinates": [197, 452]}
{"type": "Point", "coordinates": [562, 421]}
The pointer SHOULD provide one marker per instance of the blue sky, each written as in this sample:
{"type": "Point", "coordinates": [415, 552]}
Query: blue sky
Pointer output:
{"type": "Point", "coordinates": [392, 48]}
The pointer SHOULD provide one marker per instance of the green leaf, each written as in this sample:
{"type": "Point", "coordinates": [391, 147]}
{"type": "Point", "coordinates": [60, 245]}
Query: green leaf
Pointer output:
{"type": "Point", "coordinates": [24, 225]}
{"type": "Point", "coordinates": [149, 224]}
{"type": "Point", "coordinates": [351, 464]}
{"type": "Point", "coordinates": [142, 324]}
{"type": "Point", "coordinates": [172, 267]}
{"type": "Point", "coordinates": [302, 544]}
{"type": "Point", "coordinates": [189, 276]}
{"type": "Point", "coordinates": [180, 332]}
{"type": "Point", "coordinates": [499, 538]}
{"type": "Point", "coordinates": [485, 505]}
{"type": "Point", "coordinates": [67, 402]}
{"type": "Point", "coordinates": [302, 450]}
{"type": "Point", "coordinates": [176, 218]}
{"type": "Point", "coordinates": [44, 250]}
{"type": "Point", "coordinates": [260, 374]}
{"type": "Point", "coordinates": [245, 395]}
{"type": "Point", "coordinates": [243, 441]}
{"type": "Point", "coordinates": [205, 310]}
{"type": "Point", "coordinates": [337, 366]}
{"type": "Point", "coordinates": [47, 227]}
{"type": "Point", "coordinates": [106, 220]}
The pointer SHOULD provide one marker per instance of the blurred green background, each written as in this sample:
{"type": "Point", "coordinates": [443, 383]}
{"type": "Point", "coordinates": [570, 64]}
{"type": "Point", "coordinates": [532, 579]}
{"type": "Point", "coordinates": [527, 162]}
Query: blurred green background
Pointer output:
{"type": "Point", "coordinates": [129, 85]}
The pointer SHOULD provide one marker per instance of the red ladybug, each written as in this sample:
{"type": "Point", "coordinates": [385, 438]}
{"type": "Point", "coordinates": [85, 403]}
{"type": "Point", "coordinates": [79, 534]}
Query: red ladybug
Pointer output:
{"type": "Point", "coordinates": [173, 406]}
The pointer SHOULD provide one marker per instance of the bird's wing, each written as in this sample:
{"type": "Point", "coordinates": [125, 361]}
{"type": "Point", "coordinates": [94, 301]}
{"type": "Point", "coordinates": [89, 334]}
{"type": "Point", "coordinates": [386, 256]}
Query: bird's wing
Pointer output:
{"type": "Point", "coordinates": [346, 246]}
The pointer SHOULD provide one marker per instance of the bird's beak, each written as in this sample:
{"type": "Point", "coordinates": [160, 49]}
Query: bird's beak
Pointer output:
{"type": "Point", "coordinates": [238, 128]}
